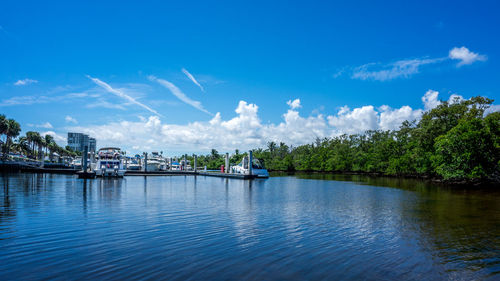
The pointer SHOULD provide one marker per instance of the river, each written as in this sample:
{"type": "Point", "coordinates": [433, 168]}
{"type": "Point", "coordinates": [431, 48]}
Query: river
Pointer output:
{"type": "Point", "coordinates": [303, 227]}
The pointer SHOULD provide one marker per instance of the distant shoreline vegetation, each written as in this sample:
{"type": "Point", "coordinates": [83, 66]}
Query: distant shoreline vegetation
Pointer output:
{"type": "Point", "coordinates": [453, 142]}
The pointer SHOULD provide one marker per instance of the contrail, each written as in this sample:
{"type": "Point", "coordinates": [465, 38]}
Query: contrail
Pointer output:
{"type": "Point", "coordinates": [121, 94]}
{"type": "Point", "coordinates": [179, 94]}
{"type": "Point", "coordinates": [191, 77]}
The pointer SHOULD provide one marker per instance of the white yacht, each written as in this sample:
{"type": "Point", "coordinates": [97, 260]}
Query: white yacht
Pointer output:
{"type": "Point", "coordinates": [154, 165]}
{"type": "Point", "coordinates": [156, 162]}
{"type": "Point", "coordinates": [134, 165]}
{"type": "Point", "coordinates": [257, 168]}
{"type": "Point", "coordinates": [109, 163]}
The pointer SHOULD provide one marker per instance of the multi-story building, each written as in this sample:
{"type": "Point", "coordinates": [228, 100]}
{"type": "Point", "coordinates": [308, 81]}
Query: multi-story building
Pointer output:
{"type": "Point", "coordinates": [78, 142]}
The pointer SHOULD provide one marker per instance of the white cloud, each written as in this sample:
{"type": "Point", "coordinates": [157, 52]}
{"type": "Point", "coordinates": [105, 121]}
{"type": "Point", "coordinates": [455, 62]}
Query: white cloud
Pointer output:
{"type": "Point", "coordinates": [245, 130]}
{"type": "Point", "coordinates": [294, 104]}
{"type": "Point", "coordinates": [59, 139]}
{"type": "Point", "coordinates": [191, 77]}
{"type": "Point", "coordinates": [179, 94]}
{"type": "Point", "coordinates": [356, 120]}
{"type": "Point", "coordinates": [45, 125]}
{"type": "Point", "coordinates": [402, 68]}
{"type": "Point", "coordinates": [454, 98]}
{"type": "Point", "coordinates": [70, 119]}
{"type": "Point", "coordinates": [430, 99]}
{"type": "Point", "coordinates": [26, 81]}
{"type": "Point", "coordinates": [492, 108]}
{"type": "Point", "coordinates": [409, 67]}
{"type": "Point", "coordinates": [28, 100]}
{"type": "Point", "coordinates": [465, 56]}
{"type": "Point", "coordinates": [120, 93]}
{"type": "Point", "coordinates": [104, 104]}
{"type": "Point", "coordinates": [391, 119]}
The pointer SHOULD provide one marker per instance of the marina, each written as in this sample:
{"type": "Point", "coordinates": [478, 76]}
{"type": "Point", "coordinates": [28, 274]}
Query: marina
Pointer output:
{"type": "Point", "coordinates": [109, 163]}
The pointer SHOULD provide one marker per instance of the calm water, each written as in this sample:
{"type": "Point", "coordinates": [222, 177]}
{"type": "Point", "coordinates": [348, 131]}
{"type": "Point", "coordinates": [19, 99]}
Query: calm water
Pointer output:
{"type": "Point", "coordinates": [290, 227]}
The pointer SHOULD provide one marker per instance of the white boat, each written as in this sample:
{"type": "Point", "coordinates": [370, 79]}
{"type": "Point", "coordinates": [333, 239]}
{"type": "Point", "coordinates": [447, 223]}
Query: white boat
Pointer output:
{"type": "Point", "coordinates": [154, 165]}
{"type": "Point", "coordinates": [109, 163]}
{"type": "Point", "coordinates": [77, 163]}
{"type": "Point", "coordinates": [175, 166]}
{"type": "Point", "coordinates": [156, 162]}
{"type": "Point", "coordinates": [134, 166]}
{"type": "Point", "coordinates": [258, 168]}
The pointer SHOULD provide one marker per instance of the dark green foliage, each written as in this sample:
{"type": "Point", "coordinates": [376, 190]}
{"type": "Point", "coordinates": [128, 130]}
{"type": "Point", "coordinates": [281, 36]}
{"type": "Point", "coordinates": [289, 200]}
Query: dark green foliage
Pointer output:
{"type": "Point", "coordinates": [469, 150]}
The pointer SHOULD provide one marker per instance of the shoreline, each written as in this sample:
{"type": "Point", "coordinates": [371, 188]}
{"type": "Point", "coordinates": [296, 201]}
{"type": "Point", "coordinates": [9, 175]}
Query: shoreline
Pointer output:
{"type": "Point", "coordinates": [58, 169]}
{"type": "Point", "coordinates": [431, 179]}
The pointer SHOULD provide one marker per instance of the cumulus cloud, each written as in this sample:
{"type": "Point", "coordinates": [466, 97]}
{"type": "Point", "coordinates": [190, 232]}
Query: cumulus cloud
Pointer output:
{"type": "Point", "coordinates": [294, 104]}
{"type": "Point", "coordinates": [70, 119]}
{"type": "Point", "coordinates": [121, 94]}
{"type": "Point", "coordinates": [465, 56]}
{"type": "Point", "coordinates": [191, 77]}
{"type": "Point", "coordinates": [492, 108]}
{"type": "Point", "coordinates": [391, 119]}
{"type": "Point", "coordinates": [178, 93]}
{"type": "Point", "coordinates": [430, 99]}
{"type": "Point", "coordinates": [245, 130]}
{"type": "Point", "coordinates": [26, 81]}
{"type": "Point", "coordinates": [356, 120]}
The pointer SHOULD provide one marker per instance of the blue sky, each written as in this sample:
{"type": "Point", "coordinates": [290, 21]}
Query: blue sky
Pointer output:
{"type": "Point", "coordinates": [113, 69]}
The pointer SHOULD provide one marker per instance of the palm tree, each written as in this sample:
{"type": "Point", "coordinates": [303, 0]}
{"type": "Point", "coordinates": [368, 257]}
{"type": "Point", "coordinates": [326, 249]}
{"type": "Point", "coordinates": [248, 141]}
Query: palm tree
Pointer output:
{"type": "Point", "coordinates": [41, 145]}
{"type": "Point", "coordinates": [48, 144]}
{"type": "Point", "coordinates": [3, 125]}
{"type": "Point", "coordinates": [13, 130]}
{"type": "Point", "coordinates": [214, 154]}
{"type": "Point", "coordinates": [30, 136]}
{"type": "Point", "coordinates": [271, 146]}
{"type": "Point", "coordinates": [22, 145]}
{"type": "Point", "coordinates": [53, 147]}
{"type": "Point", "coordinates": [36, 142]}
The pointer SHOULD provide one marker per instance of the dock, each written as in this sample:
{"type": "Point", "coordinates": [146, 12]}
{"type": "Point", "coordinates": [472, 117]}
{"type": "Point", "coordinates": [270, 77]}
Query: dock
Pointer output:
{"type": "Point", "coordinates": [190, 173]}
{"type": "Point", "coordinates": [34, 167]}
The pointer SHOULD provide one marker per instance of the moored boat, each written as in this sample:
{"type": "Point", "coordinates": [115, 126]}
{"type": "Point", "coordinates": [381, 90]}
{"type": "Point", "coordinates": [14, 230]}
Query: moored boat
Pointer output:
{"type": "Point", "coordinates": [109, 163]}
{"type": "Point", "coordinates": [258, 168]}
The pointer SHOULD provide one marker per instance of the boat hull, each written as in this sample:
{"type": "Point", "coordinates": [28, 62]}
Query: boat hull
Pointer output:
{"type": "Point", "coordinates": [110, 173]}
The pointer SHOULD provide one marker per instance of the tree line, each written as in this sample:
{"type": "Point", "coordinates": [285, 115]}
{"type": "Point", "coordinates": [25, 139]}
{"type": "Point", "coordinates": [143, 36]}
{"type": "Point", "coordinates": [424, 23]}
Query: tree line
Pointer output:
{"type": "Point", "coordinates": [455, 141]}
{"type": "Point", "coordinates": [32, 144]}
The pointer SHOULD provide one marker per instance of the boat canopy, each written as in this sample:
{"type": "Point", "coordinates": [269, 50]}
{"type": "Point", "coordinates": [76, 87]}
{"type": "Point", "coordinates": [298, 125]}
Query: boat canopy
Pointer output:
{"type": "Point", "coordinates": [257, 164]}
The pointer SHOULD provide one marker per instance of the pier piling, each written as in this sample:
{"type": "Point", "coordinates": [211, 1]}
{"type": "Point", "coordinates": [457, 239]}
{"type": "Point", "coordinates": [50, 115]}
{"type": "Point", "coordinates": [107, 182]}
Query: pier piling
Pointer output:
{"type": "Point", "coordinates": [195, 164]}
{"type": "Point", "coordinates": [250, 162]}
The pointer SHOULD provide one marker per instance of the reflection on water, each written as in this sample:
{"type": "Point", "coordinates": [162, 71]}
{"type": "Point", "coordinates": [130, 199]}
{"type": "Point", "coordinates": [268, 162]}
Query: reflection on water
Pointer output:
{"type": "Point", "coordinates": [286, 227]}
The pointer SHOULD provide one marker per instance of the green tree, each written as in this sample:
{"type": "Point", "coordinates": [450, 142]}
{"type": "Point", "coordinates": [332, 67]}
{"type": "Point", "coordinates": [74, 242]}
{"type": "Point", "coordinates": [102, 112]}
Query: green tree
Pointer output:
{"type": "Point", "coordinates": [13, 130]}
{"type": "Point", "coordinates": [467, 151]}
